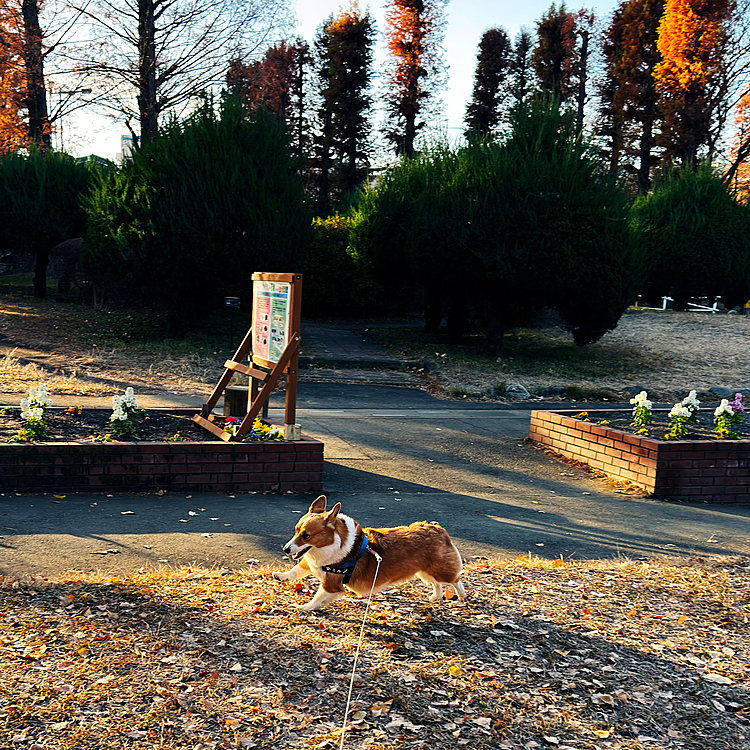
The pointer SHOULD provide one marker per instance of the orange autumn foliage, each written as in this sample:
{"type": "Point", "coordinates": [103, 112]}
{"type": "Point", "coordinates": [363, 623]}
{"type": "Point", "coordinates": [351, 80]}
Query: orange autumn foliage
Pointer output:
{"type": "Point", "coordinates": [414, 30]}
{"type": "Point", "coordinates": [692, 36]}
{"type": "Point", "coordinates": [13, 129]}
{"type": "Point", "coordinates": [741, 177]}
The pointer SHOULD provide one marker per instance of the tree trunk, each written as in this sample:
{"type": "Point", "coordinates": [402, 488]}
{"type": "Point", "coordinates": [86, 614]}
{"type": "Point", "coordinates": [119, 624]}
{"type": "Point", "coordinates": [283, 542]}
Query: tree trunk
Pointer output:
{"type": "Point", "coordinates": [495, 333]}
{"type": "Point", "coordinates": [324, 186]}
{"type": "Point", "coordinates": [646, 157]}
{"type": "Point", "coordinates": [40, 273]}
{"type": "Point", "coordinates": [583, 77]}
{"type": "Point", "coordinates": [433, 311]}
{"type": "Point", "coordinates": [147, 103]}
{"type": "Point", "coordinates": [36, 98]}
{"type": "Point", "coordinates": [457, 315]}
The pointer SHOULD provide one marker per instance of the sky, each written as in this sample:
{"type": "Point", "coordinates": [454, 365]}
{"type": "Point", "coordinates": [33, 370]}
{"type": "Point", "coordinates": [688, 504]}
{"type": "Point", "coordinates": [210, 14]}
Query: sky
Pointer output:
{"type": "Point", "coordinates": [467, 20]}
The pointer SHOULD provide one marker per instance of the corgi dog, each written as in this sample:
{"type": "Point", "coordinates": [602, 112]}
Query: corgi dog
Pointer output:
{"type": "Point", "coordinates": [339, 552]}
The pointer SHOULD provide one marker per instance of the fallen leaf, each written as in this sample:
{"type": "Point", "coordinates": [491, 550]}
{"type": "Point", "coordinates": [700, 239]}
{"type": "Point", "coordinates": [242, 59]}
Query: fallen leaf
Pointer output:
{"type": "Point", "coordinates": [599, 698]}
{"type": "Point", "coordinates": [379, 709]}
{"type": "Point", "coordinates": [137, 734]}
{"type": "Point", "coordinates": [719, 679]}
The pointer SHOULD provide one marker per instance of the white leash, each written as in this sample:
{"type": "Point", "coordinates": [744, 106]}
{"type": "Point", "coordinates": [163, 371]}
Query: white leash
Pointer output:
{"type": "Point", "coordinates": [359, 644]}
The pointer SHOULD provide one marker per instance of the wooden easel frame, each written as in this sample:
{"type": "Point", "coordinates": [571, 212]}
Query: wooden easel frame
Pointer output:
{"type": "Point", "coordinates": [287, 363]}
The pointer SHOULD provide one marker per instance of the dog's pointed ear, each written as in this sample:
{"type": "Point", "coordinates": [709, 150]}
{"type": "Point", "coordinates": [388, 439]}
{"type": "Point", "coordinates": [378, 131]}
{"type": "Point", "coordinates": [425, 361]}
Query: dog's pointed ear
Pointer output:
{"type": "Point", "coordinates": [330, 517]}
{"type": "Point", "coordinates": [318, 505]}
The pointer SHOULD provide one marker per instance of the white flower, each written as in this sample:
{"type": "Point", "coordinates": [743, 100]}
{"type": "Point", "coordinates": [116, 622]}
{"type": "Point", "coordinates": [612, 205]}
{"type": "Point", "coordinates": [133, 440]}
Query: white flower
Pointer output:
{"type": "Point", "coordinates": [38, 398]}
{"type": "Point", "coordinates": [642, 400]}
{"type": "Point", "coordinates": [691, 401]}
{"type": "Point", "coordinates": [678, 410]}
{"type": "Point", "coordinates": [118, 414]}
{"type": "Point", "coordinates": [32, 414]}
{"type": "Point", "coordinates": [723, 408]}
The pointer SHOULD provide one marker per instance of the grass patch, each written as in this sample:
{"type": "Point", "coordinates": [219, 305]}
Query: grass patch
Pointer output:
{"type": "Point", "coordinates": [548, 352]}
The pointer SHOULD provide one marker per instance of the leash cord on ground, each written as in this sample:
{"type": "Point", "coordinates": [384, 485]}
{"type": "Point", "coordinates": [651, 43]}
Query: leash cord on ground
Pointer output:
{"type": "Point", "coordinates": [356, 653]}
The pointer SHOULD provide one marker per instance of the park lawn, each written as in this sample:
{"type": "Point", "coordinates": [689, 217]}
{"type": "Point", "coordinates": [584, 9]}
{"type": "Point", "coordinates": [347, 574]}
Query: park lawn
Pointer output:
{"type": "Point", "coordinates": [601, 654]}
{"type": "Point", "coordinates": [76, 348]}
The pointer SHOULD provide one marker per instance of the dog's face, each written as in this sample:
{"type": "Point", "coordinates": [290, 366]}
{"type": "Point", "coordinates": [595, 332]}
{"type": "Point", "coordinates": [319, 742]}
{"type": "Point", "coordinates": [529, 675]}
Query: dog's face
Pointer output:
{"type": "Point", "coordinates": [314, 530]}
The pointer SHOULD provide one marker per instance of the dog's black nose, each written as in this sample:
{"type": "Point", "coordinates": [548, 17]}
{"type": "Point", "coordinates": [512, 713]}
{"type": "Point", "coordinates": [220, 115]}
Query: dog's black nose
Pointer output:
{"type": "Point", "coordinates": [287, 547]}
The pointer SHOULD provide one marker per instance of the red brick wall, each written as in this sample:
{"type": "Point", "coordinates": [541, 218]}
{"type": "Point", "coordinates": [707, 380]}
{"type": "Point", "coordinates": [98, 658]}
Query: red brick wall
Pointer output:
{"type": "Point", "coordinates": [208, 466]}
{"type": "Point", "coordinates": [716, 471]}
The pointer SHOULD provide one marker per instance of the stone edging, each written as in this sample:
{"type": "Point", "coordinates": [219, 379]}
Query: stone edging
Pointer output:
{"type": "Point", "coordinates": [194, 466]}
{"type": "Point", "coordinates": [712, 471]}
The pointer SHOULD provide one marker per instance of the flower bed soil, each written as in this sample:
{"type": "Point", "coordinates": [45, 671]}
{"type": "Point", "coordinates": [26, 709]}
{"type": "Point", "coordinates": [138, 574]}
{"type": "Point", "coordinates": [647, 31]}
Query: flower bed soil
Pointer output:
{"type": "Point", "coordinates": [69, 460]}
{"type": "Point", "coordinates": [698, 467]}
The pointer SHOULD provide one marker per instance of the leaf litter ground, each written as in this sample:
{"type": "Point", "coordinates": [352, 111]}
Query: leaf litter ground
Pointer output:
{"type": "Point", "coordinates": [546, 654]}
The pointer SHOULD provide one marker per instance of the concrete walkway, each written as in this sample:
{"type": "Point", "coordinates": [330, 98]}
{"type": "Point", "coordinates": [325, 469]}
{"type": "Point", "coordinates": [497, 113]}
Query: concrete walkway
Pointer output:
{"type": "Point", "coordinates": [394, 454]}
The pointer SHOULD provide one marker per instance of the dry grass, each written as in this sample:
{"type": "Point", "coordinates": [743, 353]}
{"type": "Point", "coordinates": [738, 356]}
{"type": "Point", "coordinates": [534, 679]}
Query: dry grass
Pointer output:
{"type": "Point", "coordinates": [546, 654]}
{"type": "Point", "coordinates": [666, 352]}
{"type": "Point", "coordinates": [18, 377]}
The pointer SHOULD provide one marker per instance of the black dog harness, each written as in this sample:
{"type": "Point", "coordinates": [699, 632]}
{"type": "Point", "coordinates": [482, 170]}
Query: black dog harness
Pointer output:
{"type": "Point", "coordinates": [347, 568]}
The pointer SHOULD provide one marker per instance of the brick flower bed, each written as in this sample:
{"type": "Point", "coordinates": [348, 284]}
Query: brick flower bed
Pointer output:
{"type": "Point", "coordinates": [197, 466]}
{"type": "Point", "coordinates": [712, 471]}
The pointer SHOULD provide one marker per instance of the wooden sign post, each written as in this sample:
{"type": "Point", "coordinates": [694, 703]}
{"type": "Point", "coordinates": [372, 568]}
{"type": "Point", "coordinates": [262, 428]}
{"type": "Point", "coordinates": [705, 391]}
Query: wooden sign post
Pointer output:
{"type": "Point", "coordinates": [273, 347]}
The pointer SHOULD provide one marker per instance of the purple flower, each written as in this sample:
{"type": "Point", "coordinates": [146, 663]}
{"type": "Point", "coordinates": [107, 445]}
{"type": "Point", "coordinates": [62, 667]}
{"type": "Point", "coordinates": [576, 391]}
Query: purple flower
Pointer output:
{"type": "Point", "coordinates": [737, 403]}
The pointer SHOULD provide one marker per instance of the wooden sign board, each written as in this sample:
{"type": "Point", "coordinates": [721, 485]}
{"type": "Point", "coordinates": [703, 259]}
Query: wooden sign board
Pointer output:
{"type": "Point", "coordinates": [272, 343]}
{"type": "Point", "coordinates": [272, 308]}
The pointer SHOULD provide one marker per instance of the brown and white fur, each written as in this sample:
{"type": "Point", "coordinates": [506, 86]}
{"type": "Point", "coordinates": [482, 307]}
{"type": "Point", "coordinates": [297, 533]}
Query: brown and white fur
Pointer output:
{"type": "Point", "coordinates": [323, 538]}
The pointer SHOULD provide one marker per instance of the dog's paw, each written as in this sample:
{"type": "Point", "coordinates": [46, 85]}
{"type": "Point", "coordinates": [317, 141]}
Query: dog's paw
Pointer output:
{"type": "Point", "coordinates": [281, 575]}
{"type": "Point", "coordinates": [309, 607]}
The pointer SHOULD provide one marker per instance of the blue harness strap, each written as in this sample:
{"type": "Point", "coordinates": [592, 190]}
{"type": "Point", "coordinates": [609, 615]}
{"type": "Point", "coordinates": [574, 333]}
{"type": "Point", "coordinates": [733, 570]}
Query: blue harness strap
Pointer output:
{"type": "Point", "coordinates": [347, 568]}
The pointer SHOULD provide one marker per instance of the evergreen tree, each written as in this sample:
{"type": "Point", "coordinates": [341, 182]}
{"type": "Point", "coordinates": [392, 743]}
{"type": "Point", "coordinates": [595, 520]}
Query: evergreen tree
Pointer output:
{"type": "Point", "coordinates": [196, 211]}
{"type": "Point", "coordinates": [40, 204]}
{"type": "Point", "coordinates": [629, 113]}
{"type": "Point", "coordinates": [276, 82]}
{"type": "Point", "coordinates": [553, 58]}
{"type": "Point", "coordinates": [697, 238]}
{"type": "Point", "coordinates": [414, 31]}
{"type": "Point", "coordinates": [521, 70]}
{"type": "Point", "coordinates": [493, 61]}
{"type": "Point", "coordinates": [344, 57]}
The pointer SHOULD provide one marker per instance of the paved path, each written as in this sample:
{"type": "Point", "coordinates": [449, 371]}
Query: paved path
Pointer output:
{"type": "Point", "coordinates": [393, 455]}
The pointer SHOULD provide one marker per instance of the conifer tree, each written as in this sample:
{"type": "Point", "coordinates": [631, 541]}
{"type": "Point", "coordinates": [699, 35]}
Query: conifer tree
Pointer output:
{"type": "Point", "coordinates": [414, 32]}
{"type": "Point", "coordinates": [276, 82]}
{"type": "Point", "coordinates": [493, 61]}
{"type": "Point", "coordinates": [520, 66]}
{"type": "Point", "coordinates": [344, 59]}
{"type": "Point", "coordinates": [553, 58]}
{"type": "Point", "coordinates": [629, 112]}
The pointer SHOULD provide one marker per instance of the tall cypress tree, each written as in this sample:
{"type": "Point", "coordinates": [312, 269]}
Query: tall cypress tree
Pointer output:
{"type": "Point", "coordinates": [276, 82]}
{"type": "Point", "coordinates": [553, 58]}
{"type": "Point", "coordinates": [493, 61]}
{"type": "Point", "coordinates": [343, 48]}
{"type": "Point", "coordinates": [415, 35]}
{"type": "Point", "coordinates": [520, 66]}
{"type": "Point", "coordinates": [629, 113]}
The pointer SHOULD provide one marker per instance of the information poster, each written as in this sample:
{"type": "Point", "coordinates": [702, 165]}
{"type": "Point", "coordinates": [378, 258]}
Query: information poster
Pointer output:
{"type": "Point", "coordinates": [270, 319]}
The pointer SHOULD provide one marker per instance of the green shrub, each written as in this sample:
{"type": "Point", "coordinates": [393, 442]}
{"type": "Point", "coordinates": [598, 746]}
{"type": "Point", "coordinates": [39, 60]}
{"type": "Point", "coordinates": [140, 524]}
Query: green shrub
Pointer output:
{"type": "Point", "coordinates": [697, 239]}
{"type": "Point", "coordinates": [335, 282]}
{"type": "Point", "coordinates": [194, 213]}
{"type": "Point", "coordinates": [41, 197]}
{"type": "Point", "coordinates": [514, 226]}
